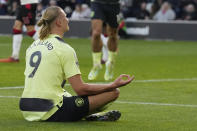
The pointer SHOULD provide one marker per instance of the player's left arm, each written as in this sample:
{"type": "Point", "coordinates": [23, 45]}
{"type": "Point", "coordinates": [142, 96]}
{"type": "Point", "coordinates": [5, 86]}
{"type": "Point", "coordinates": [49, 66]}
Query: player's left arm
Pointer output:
{"type": "Point", "coordinates": [82, 88]}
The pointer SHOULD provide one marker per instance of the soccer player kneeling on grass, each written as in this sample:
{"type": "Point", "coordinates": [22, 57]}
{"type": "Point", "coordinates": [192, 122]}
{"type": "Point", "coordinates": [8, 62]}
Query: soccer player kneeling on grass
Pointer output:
{"type": "Point", "coordinates": [49, 61]}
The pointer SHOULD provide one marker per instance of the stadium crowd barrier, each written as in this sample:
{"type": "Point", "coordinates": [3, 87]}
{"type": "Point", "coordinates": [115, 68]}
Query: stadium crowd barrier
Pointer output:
{"type": "Point", "coordinates": [171, 30]}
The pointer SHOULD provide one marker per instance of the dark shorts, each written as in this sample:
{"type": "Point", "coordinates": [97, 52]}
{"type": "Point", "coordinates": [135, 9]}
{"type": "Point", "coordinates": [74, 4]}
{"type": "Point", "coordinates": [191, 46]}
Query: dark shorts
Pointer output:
{"type": "Point", "coordinates": [73, 109]}
{"type": "Point", "coordinates": [106, 12]}
{"type": "Point", "coordinates": [27, 14]}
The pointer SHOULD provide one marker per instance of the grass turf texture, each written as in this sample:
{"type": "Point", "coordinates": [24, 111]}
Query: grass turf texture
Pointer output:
{"type": "Point", "coordinates": [146, 60]}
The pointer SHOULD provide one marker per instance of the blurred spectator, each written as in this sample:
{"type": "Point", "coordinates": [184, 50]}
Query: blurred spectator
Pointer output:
{"type": "Point", "coordinates": [68, 10]}
{"type": "Point", "coordinates": [12, 7]}
{"type": "Point", "coordinates": [3, 7]}
{"type": "Point", "coordinates": [165, 13]}
{"type": "Point", "coordinates": [85, 11]}
{"type": "Point", "coordinates": [155, 7]}
{"type": "Point", "coordinates": [142, 13]}
{"type": "Point", "coordinates": [140, 9]}
{"type": "Point", "coordinates": [189, 12]}
{"type": "Point", "coordinates": [44, 3]}
{"type": "Point", "coordinates": [77, 13]}
{"type": "Point", "coordinates": [126, 8]}
{"type": "Point", "coordinates": [39, 10]}
{"type": "Point", "coordinates": [52, 3]}
{"type": "Point", "coordinates": [176, 7]}
{"type": "Point", "coordinates": [80, 1]}
{"type": "Point", "coordinates": [81, 11]}
{"type": "Point", "coordinates": [67, 5]}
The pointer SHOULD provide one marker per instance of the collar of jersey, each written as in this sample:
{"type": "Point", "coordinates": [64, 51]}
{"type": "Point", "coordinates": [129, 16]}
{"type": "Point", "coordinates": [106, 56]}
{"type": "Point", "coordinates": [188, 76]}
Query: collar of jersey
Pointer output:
{"type": "Point", "coordinates": [54, 35]}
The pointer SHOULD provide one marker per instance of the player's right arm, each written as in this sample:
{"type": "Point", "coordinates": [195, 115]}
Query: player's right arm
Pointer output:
{"type": "Point", "coordinates": [82, 88]}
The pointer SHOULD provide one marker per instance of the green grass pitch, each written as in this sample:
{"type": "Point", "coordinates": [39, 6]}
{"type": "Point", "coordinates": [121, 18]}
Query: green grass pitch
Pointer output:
{"type": "Point", "coordinates": [163, 96]}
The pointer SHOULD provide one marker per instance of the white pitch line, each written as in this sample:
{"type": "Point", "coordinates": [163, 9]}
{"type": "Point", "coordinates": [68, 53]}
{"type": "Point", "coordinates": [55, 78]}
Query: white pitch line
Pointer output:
{"type": "Point", "coordinates": [9, 97]}
{"type": "Point", "coordinates": [134, 103]}
{"type": "Point", "coordinates": [156, 104]}
{"type": "Point", "coordinates": [7, 88]}
{"type": "Point", "coordinates": [165, 80]}
{"type": "Point", "coordinates": [135, 81]}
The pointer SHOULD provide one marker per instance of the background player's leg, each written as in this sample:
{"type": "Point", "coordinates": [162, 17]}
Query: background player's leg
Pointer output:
{"type": "Point", "coordinates": [112, 47]}
{"type": "Point", "coordinates": [104, 49]}
{"type": "Point", "coordinates": [17, 39]}
{"type": "Point", "coordinates": [96, 48]}
{"type": "Point", "coordinates": [113, 38]}
{"type": "Point", "coordinates": [32, 32]}
{"type": "Point", "coordinates": [96, 32]}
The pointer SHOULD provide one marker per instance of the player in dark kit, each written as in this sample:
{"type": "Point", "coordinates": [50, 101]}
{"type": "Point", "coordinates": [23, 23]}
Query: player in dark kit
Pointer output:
{"type": "Point", "coordinates": [104, 11]}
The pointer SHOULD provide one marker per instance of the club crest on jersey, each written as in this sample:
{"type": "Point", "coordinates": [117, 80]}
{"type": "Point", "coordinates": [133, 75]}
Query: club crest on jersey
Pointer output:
{"type": "Point", "coordinates": [79, 102]}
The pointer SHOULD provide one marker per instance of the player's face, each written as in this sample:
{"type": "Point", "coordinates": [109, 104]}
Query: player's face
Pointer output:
{"type": "Point", "coordinates": [65, 21]}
